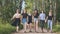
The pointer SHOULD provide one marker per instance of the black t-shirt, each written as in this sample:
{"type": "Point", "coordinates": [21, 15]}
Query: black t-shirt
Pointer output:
{"type": "Point", "coordinates": [29, 17]}
{"type": "Point", "coordinates": [24, 15]}
{"type": "Point", "coordinates": [50, 17]}
{"type": "Point", "coordinates": [36, 16]}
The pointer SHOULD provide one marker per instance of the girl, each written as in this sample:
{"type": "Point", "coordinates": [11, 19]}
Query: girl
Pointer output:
{"type": "Point", "coordinates": [17, 17]}
{"type": "Point", "coordinates": [49, 17]}
{"type": "Point", "coordinates": [29, 21]}
{"type": "Point", "coordinates": [24, 19]}
{"type": "Point", "coordinates": [36, 20]}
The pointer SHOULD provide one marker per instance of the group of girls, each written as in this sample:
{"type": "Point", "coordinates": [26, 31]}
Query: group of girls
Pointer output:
{"type": "Point", "coordinates": [27, 18]}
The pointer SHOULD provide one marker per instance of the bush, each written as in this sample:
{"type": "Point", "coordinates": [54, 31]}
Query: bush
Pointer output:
{"type": "Point", "coordinates": [56, 28]}
{"type": "Point", "coordinates": [21, 26]}
{"type": "Point", "coordinates": [6, 29]}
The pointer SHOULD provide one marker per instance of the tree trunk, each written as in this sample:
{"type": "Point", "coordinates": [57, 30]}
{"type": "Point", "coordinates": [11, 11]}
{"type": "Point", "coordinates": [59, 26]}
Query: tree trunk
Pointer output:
{"type": "Point", "coordinates": [43, 5]}
{"type": "Point", "coordinates": [54, 11]}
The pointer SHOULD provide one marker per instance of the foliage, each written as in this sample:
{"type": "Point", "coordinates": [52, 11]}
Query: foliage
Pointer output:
{"type": "Point", "coordinates": [58, 10]}
{"type": "Point", "coordinates": [56, 28]}
{"type": "Point", "coordinates": [6, 28]}
{"type": "Point", "coordinates": [7, 11]}
{"type": "Point", "coordinates": [8, 8]}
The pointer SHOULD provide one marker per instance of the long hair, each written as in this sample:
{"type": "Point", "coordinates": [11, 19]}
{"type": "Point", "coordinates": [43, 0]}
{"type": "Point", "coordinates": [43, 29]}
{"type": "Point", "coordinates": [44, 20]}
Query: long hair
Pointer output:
{"type": "Point", "coordinates": [18, 10]}
{"type": "Point", "coordinates": [37, 11]}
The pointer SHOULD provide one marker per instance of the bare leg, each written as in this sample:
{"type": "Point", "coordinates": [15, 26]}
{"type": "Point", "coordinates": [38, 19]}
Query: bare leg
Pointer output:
{"type": "Point", "coordinates": [17, 28]}
{"type": "Point", "coordinates": [25, 27]}
{"type": "Point", "coordinates": [36, 25]}
{"type": "Point", "coordinates": [30, 26]}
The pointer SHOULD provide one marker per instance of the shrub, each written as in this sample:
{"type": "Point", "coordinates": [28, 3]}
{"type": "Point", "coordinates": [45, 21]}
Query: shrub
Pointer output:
{"type": "Point", "coordinates": [56, 28]}
{"type": "Point", "coordinates": [6, 29]}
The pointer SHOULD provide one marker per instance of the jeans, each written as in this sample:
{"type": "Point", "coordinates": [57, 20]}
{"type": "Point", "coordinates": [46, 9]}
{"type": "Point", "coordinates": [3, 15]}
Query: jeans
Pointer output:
{"type": "Point", "coordinates": [50, 24]}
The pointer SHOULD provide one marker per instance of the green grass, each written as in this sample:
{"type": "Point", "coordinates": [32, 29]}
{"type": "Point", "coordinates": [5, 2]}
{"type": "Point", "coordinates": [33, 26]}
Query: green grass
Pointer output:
{"type": "Point", "coordinates": [56, 28]}
{"type": "Point", "coordinates": [6, 29]}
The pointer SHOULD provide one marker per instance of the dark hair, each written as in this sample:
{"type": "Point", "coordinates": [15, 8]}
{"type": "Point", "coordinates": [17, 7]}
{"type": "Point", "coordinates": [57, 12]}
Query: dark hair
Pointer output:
{"type": "Point", "coordinates": [18, 10]}
{"type": "Point", "coordinates": [36, 10]}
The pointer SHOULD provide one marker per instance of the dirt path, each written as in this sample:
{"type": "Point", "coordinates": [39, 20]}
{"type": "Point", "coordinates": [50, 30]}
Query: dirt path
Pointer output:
{"type": "Point", "coordinates": [22, 32]}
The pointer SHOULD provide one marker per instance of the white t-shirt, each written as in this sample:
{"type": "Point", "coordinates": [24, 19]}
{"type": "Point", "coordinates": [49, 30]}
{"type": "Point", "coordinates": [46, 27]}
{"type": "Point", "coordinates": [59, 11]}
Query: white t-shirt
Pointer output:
{"type": "Point", "coordinates": [42, 16]}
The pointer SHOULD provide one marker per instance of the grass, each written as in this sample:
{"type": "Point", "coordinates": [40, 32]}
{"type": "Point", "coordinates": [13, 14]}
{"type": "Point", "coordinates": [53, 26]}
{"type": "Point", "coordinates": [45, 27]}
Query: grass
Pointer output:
{"type": "Point", "coordinates": [6, 29]}
{"type": "Point", "coordinates": [56, 28]}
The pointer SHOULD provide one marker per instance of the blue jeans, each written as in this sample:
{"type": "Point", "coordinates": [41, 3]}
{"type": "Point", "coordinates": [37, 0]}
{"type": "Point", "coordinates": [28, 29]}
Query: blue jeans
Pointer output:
{"type": "Point", "coordinates": [50, 24]}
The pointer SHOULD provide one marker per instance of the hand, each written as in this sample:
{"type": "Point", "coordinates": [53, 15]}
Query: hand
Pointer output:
{"type": "Point", "coordinates": [45, 21]}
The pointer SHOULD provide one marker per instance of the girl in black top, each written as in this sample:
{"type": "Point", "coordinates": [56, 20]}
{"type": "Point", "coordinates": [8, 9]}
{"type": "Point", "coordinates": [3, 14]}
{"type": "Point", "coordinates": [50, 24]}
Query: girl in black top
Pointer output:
{"type": "Point", "coordinates": [29, 18]}
{"type": "Point", "coordinates": [36, 20]}
{"type": "Point", "coordinates": [29, 21]}
{"type": "Point", "coordinates": [49, 17]}
{"type": "Point", "coordinates": [24, 19]}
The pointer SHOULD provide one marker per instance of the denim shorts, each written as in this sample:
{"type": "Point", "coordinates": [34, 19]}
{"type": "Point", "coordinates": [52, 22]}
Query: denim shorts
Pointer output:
{"type": "Point", "coordinates": [24, 20]}
{"type": "Point", "coordinates": [35, 20]}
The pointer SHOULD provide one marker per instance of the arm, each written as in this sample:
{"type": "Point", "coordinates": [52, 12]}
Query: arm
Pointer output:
{"type": "Point", "coordinates": [39, 17]}
{"type": "Point", "coordinates": [46, 19]}
{"type": "Point", "coordinates": [21, 18]}
{"type": "Point", "coordinates": [52, 19]}
{"type": "Point", "coordinates": [13, 17]}
{"type": "Point", "coordinates": [27, 18]}
{"type": "Point", "coordinates": [32, 18]}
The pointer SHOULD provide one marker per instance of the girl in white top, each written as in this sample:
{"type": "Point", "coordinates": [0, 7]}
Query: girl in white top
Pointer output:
{"type": "Point", "coordinates": [17, 17]}
{"type": "Point", "coordinates": [42, 20]}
